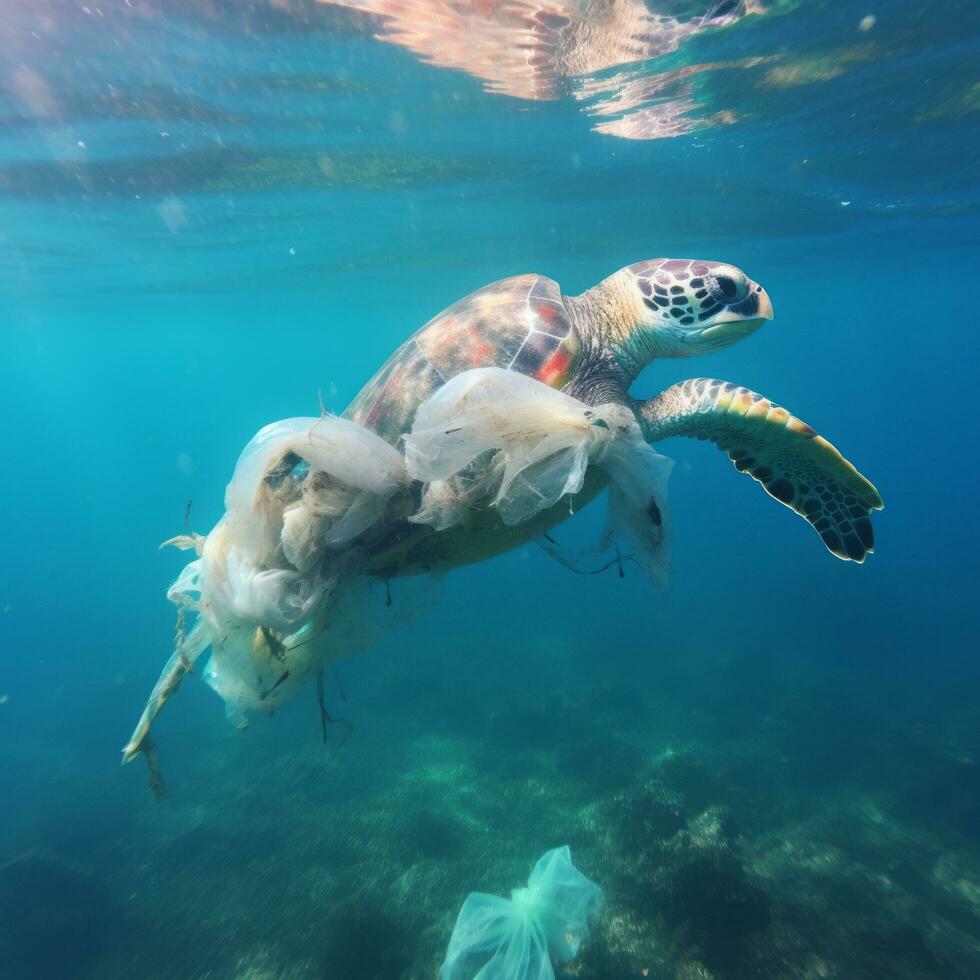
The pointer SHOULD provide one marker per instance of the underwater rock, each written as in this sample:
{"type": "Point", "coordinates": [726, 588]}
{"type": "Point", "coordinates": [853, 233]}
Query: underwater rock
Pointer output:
{"type": "Point", "coordinates": [699, 884]}
{"type": "Point", "coordinates": [656, 812]}
{"type": "Point", "coordinates": [711, 897]}
{"type": "Point", "coordinates": [362, 940]}
{"type": "Point", "coordinates": [53, 919]}
{"type": "Point", "coordinates": [681, 873]}
{"type": "Point", "coordinates": [709, 894]}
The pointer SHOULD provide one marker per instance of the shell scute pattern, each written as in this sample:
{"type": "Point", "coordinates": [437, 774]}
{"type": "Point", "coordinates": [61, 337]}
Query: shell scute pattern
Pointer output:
{"type": "Point", "coordinates": [517, 323]}
{"type": "Point", "coordinates": [388, 402]}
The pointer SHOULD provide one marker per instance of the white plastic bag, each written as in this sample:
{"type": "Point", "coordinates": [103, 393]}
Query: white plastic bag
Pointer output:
{"type": "Point", "coordinates": [541, 438]}
{"type": "Point", "coordinates": [532, 445]}
{"type": "Point", "coordinates": [521, 938]}
{"type": "Point", "coordinates": [302, 491]}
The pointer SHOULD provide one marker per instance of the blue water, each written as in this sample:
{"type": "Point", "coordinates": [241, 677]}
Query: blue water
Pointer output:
{"type": "Point", "coordinates": [209, 214]}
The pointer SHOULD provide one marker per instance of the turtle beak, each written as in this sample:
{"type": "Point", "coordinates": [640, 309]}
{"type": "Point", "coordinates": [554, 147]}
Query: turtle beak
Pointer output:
{"type": "Point", "coordinates": [765, 304]}
{"type": "Point", "coordinates": [742, 318]}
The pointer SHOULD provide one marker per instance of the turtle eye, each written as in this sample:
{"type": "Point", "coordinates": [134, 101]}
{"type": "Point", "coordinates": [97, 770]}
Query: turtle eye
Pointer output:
{"type": "Point", "coordinates": [728, 287]}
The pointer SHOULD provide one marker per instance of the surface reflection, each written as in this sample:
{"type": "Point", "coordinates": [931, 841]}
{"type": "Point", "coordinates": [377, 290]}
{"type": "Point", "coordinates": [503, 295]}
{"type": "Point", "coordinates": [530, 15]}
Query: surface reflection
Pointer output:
{"type": "Point", "coordinates": [557, 48]}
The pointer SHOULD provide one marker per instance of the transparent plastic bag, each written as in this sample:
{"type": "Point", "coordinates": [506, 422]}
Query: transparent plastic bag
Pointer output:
{"type": "Point", "coordinates": [278, 588]}
{"type": "Point", "coordinates": [542, 440]}
{"type": "Point", "coordinates": [303, 490]}
{"type": "Point", "coordinates": [638, 511]}
{"type": "Point", "coordinates": [531, 446]}
{"type": "Point", "coordinates": [523, 937]}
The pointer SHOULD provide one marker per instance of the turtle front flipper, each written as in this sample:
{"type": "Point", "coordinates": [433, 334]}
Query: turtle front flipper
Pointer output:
{"type": "Point", "coordinates": [794, 464]}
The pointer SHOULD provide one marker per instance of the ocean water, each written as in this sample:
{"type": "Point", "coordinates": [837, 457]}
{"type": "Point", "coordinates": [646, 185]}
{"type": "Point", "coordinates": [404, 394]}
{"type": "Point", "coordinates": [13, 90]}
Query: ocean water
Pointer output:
{"type": "Point", "coordinates": [213, 212]}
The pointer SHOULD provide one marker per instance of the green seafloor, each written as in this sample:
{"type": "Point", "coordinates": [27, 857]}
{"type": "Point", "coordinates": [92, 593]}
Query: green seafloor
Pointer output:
{"type": "Point", "coordinates": [746, 818]}
{"type": "Point", "coordinates": [212, 213]}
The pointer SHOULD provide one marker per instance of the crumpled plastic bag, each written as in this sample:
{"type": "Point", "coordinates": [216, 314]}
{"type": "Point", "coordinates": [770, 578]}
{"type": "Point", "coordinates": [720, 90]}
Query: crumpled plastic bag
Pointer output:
{"type": "Point", "coordinates": [308, 484]}
{"type": "Point", "coordinates": [521, 938]}
{"type": "Point", "coordinates": [496, 438]}
{"type": "Point", "coordinates": [303, 491]}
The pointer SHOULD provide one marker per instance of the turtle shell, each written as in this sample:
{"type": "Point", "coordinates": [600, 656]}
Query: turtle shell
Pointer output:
{"type": "Point", "coordinates": [519, 324]}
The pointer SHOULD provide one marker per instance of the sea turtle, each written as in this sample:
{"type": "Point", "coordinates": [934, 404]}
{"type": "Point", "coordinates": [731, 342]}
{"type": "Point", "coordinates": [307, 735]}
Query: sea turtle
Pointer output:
{"type": "Point", "coordinates": [591, 347]}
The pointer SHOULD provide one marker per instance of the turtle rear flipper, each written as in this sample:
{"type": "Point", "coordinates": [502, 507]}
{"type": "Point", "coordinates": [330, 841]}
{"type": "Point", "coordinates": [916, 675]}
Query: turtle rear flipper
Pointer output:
{"type": "Point", "coordinates": [794, 464]}
{"type": "Point", "coordinates": [181, 662]}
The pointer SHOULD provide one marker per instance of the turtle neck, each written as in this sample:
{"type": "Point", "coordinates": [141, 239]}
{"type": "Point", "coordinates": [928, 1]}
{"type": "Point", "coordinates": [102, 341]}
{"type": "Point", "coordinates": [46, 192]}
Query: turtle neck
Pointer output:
{"type": "Point", "coordinates": [615, 347]}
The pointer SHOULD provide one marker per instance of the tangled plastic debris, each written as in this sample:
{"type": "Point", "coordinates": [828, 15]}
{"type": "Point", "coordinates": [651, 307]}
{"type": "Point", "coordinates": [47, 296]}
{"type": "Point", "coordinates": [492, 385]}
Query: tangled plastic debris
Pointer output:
{"type": "Point", "coordinates": [281, 585]}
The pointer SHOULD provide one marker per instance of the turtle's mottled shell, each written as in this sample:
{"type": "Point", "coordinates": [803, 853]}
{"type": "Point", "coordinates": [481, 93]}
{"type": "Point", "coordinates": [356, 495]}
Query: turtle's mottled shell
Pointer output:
{"type": "Point", "coordinates": [519, 324]}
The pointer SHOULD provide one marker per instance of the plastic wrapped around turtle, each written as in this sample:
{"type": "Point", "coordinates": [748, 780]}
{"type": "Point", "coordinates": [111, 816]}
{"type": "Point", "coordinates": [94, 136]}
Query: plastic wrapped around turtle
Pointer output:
{"type": "Point", "coordinates": [280, 584]}
{"type": "Point", "coordinates": [523, 937]}
{"type": "Point", "coordinates": [282, 557]}
{"type": "Point", "coordinates": [275, 581]}
{"type": "Point", "coordinates": [496, 438]}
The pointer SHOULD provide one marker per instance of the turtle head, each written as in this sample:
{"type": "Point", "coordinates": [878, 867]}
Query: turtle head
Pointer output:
{"type": "Point", "coordinates": [682, 307]}
{"type": "Point", "coordinates": [694, 307]}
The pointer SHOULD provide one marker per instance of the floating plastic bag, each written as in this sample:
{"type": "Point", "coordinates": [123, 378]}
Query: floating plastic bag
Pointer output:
{"type": "Point", "coordinates": [521, 939]}
{"type": "Point", "coordinates": [495, 438]}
